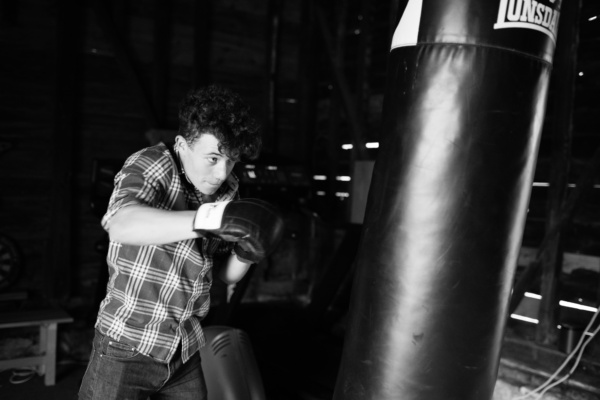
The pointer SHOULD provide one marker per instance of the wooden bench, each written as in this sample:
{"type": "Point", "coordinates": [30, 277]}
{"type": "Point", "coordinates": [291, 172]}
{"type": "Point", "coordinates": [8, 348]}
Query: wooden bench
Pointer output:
{"type": "Point", "coordinates": [48, 321]}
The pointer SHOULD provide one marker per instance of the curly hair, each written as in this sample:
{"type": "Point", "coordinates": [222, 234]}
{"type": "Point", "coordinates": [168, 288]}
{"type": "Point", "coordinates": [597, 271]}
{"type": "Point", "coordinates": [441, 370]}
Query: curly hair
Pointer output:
{"type": "Point", "coordinates": [222, 113]}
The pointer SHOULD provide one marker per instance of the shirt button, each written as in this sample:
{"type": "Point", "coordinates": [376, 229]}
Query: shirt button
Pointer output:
{"type": "Point", "coordinates": [174, 327]}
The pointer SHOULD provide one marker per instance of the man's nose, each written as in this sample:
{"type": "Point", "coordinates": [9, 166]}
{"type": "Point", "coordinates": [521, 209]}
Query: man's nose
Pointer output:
{"type": "Point", "coordinates": [221, 171]}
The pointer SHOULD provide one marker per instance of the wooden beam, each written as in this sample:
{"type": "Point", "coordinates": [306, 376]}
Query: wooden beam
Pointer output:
{"type": "Point", "coordinates": [565, 61]}
{"type": "Point", "coordinates": [60, 251]}
{"type": "Point", "coordinates": [272, 62]}
{"type": "Point", "coordinates": [356, 124]}
{"type": "Point", "coordinates": [363, 59]}
{"type": "Point", "coordinates": [341, 265]}
{"type": "Point", "coordinates": [363, 63]}
{"type": "Point", "coordinates": [335, 108]}
{"type": "Point", "coordinates": [109, 28]}
{"type": "Point", "coordinates": [9, 12]}
{"type": "Point", "coordinates": [203, 12]}
{"type": "Point", "coordinates": [563, 89]}
{"type": "Point", "coordinates": [307, 73]}
{"type": "Point", "coordinates": [162, 57]}
{"type": "Point", "coordinates": [121, 15]}
{"type": "Point", "coordinates": [582, 187]}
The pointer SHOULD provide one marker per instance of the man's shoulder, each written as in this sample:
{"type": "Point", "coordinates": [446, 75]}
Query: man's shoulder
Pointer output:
{"type": "Point", "coordinates": [157, 151]}
{"type": "Point", "coordinates": [150, 163]}
{"type": "Point", "coordinates": [150, 155]}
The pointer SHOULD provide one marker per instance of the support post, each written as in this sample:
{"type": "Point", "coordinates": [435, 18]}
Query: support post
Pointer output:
{"type": "Point", "coordinates": [356, 124]}
{"type": "Point", "coordinates": [61, 240]}
{"type": "Point", "coordinates": [122, 55]}
{"type": "Point", "coordinates": [273, 39]}
{"type": "Point", "coordinates": [203, 10]}
{"type": "Point", "coordinates": [307, 72]}
{"type": "Point", "coordinates": [162, 57]}
{"type": "Point", "coordinates": [562, 89]}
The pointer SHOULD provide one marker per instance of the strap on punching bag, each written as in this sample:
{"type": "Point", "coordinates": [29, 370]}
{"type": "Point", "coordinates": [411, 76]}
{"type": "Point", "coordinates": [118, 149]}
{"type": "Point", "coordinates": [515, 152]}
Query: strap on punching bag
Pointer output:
{"type": "Point", "coordinates": [462, 118]}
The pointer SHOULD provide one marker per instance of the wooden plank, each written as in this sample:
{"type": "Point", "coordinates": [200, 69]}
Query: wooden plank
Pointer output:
{"type": "Point", "coordinates": [584, 184]}
{"type": "Point", "coordinates": [307, 73]}
{"type": "Point", "coordinates": [12, 296]}
{"type": "Point", "coordinates": [363, 63]}
{"type": "Point", "coordinates": [334, 276]}
{"type": "Point", "coordinates": [9, 12]}
{"type": "Point", "coordinates": [33, 317]}
{"type": "Point", "coordinates": [363, 59]}
{"type": "Point", "coordinates": [109, 29]}
{"type": "Point", "coordinates": [540, 362]}
{"type": "Point", "coordinates": [48, 321]}
{"type": "Point", "coordinates": [272, 70]}
{"type": "Point", "coordinates": [60, 251]}
{"type": "Point", "coordinates": [356, 124]}
{"type": "Point", "coordinates": [562, 133]}
{"type": "Point", "coordinates": [203, 17]}
{"type": "Point", "coordinates": [21, 362]}
{"type": "Point", "coordinates": [48, 344]}
{"type": "Point", "coordinates": [571, 261]}
{"type": "Point", "coordinates": [121, 15]}
{"type": "Point", "coordinates": [335, 108]}
{"type": "Point", "coordinates": [162, 57]}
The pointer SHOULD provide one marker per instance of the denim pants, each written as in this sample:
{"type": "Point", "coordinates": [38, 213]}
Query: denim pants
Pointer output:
{"type": "Point", "coordinates": [118, 371]}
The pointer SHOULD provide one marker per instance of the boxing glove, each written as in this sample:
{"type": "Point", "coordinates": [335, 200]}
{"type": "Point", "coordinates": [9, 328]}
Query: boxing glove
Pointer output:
{"type": "Point", "coordinates": [255, 226]}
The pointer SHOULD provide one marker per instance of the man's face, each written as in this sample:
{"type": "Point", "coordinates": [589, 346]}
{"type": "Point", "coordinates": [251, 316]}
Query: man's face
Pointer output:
{"type": "Point", "coordinates": [205, 166]}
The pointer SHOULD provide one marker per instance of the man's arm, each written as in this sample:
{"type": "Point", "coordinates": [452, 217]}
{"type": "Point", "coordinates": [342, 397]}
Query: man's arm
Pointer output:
{"type": "Point", "coordinates": [233, 270]}
{"type": "Point", "coordinates": [143, 225]}
{"type": "Point", "coordinates": [254, 225]}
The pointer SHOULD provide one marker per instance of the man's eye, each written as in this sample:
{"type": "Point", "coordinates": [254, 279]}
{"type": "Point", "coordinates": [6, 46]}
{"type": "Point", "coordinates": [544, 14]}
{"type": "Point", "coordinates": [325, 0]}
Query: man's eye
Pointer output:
{"type": "Point", "coordinates": [213, 160]}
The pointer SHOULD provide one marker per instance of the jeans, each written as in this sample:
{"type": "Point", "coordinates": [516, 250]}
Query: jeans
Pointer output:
{"type": "Point", "coordinates": [118, 371]}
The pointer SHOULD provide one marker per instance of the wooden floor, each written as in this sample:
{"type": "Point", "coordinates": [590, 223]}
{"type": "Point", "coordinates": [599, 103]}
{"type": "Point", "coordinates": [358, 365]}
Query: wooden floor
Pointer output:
{"type": "Point", "coordinates": [528, 364]}
{"type": "Point", "coordinates": [289, 366]}
{"type": "Point", "coordinates": [68, 379]}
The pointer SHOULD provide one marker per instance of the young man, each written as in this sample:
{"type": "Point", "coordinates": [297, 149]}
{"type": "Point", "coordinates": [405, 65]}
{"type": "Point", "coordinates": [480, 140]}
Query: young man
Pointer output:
{"type": "Point", "coordinates": [163, 244]}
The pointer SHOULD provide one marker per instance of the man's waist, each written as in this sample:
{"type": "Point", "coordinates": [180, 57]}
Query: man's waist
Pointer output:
{"type": "Point", "coordinates": [157, 341]}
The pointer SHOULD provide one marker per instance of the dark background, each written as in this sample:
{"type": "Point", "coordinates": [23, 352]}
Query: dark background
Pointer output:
{"type": "Point", "coordinates": [83, 84]}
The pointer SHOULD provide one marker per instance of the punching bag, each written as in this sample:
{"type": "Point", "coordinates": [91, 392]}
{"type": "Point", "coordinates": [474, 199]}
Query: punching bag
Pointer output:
{"type": "Point", "coordinates": [462, 119]}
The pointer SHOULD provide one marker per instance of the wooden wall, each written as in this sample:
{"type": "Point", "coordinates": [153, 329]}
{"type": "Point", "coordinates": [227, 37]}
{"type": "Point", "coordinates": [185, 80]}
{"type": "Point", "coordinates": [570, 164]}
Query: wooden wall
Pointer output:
{"type": "Point", "coordinates": [69, 98]}
{"type": "Point", "coordinates": [27, 37]}
{"type": "Point", "coordinates": [85, 80]}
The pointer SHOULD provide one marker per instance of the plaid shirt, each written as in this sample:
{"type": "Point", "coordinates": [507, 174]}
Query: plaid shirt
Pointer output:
{"type": "Point", "coordinates": [157, 295]}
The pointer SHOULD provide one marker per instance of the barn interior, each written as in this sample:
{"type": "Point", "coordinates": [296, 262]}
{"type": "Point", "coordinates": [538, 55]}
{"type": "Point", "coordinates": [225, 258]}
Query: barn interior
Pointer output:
{"type": "Point", "coordinates": [87, 83]}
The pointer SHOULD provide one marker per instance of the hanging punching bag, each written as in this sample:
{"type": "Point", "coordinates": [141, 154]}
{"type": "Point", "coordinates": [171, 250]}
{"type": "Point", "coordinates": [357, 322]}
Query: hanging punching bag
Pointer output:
{"type": "Point", "coordinates": [462, 118]}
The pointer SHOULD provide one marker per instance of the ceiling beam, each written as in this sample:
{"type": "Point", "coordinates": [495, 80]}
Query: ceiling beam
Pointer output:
{"type": "Point", "coordinates": [109, 28]}
{"type": "Point", "coordinates": [352, 113]}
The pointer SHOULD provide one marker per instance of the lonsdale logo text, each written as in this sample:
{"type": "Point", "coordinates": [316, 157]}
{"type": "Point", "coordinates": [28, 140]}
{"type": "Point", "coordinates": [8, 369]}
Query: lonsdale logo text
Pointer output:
{"type": "Point", "coordinates": [528, 14]}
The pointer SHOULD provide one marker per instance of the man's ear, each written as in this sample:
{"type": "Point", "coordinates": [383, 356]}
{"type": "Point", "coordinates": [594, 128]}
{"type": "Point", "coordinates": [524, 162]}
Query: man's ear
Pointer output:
{"type": "Point", "coordinates": [180, 143]}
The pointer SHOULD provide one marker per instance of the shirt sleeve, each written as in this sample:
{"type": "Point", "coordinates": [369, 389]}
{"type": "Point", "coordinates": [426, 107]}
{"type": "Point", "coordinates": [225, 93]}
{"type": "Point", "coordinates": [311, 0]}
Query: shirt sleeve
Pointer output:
{"type": "Point", "coordinates": [143, 180]}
